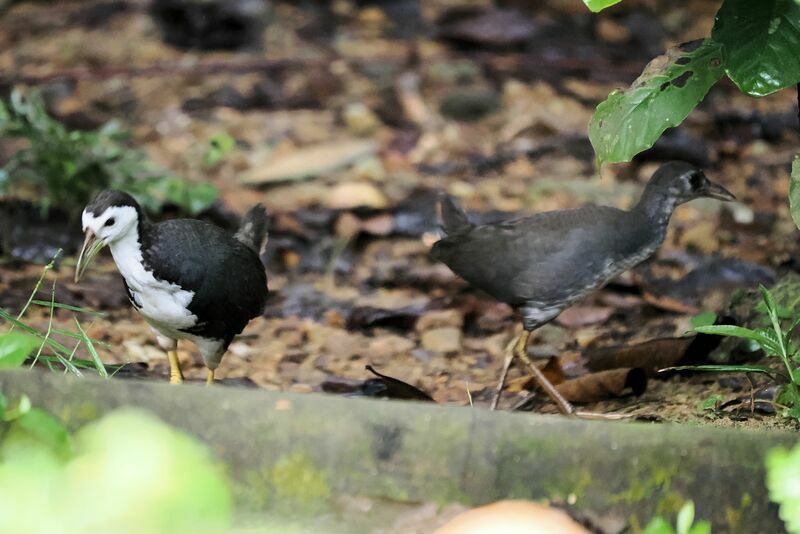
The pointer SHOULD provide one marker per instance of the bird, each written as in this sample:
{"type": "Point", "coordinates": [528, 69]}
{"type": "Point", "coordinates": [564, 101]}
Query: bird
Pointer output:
{"type": "Point", "coordinates": [187, 278]}
{"type": "Point", "coordinates": [542, 264]}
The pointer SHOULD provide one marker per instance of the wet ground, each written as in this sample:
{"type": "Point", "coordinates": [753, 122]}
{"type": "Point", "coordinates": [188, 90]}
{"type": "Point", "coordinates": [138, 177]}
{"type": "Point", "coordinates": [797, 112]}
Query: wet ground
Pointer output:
{"type": "Point", "coordinates": [349, 117]}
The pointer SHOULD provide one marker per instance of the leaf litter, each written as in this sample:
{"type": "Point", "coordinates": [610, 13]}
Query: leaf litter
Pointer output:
{"type": "Point", "coordinates": [352, 285]}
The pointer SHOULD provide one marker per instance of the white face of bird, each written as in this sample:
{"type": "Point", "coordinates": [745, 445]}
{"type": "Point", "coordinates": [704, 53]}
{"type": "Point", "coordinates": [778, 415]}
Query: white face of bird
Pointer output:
{"type": "Point", "coordinates": [112, 224]}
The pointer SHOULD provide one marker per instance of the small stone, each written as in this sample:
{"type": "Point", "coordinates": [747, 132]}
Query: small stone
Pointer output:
{"type": "Point", "coordinates": [360, 120]}
{"type": "Point", "coordinates": [351, 195]}
{"type": "Point", "coordinates": [444, 340]}
{"type": "Point", "coordinates": [439, 319]}
{"type": "Point", "coordinates": [385, 347]}
{"type": "Point", "coordinates": [469, 104]}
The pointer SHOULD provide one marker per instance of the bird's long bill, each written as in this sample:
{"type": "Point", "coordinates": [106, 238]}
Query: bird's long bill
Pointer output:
{"type": "Point", "coordinates": [717, 191]}
{"type": "Point", "coordinates": [91, 246]}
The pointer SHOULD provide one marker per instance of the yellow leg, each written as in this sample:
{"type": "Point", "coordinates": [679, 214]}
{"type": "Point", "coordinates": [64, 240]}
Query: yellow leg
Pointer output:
{"type": "Point", "coordinates": [521, 352]}
{"type": "Point", "coordinates": [210, 377]}
{"type": "Point", "coordinates": [175, 374]}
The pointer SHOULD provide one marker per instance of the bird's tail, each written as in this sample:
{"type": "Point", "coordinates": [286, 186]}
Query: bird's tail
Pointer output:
{"type": "Point", "coordinates": [253, 229]}
{"type": "Point", "coordinates": [451, 217]}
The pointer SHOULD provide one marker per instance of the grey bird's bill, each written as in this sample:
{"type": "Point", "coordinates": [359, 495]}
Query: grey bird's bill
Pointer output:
{"type": "Point", "coordinates": [91, 246]}
{"type": "Point", "coordinates": [720, 193]}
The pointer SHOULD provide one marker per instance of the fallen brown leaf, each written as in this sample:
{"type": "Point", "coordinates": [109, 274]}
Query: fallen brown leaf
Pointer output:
{"type": "Point", "coordinates": [604, 385]}
{"type": "Point", "coordinates": [577, 316]}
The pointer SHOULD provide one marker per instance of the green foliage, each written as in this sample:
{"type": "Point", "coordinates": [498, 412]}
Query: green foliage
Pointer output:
{"type": "Point", "coordinates": [599, 5]}
{"type": "Point", "coordinates": [219, 146]}
{"type": "Point", "coordinates": [127, 472]}
{"type": "Point", "coordinates": [757, 44]}
{"type": "Point", "coordinates": [17, 346]}
{"type": "Point", "coordinates": [684, 523]}
{"type": "Point", "coordinates": [761, 41]}
{"type": "Point", "coordinates": [794, 190]}
{"type": "Point", "coordinates": [711, 402]}
{"type": "Point", "coordinates": [671, 85]}
{"type": "Point", "coordinates": [65, 168]}
{"type": "Point", "coordinates": [775, 341]}
{"type": "Point", "coordinates": [724, 368]}
{"type": "Point", "coordinates": [15, 349]}
{"type": "Point", "coordinates": [703, 319]}
{"type": "Point", "coordinates": [783, 483]}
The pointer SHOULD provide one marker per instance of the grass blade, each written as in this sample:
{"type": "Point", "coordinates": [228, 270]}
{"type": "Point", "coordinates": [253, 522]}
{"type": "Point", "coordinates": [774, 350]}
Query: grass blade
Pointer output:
{"type": "Point", "coordinates": [101, 369]}
{"type": "Point", "coordinates": [68, 307]}
{"type": "Point", "coordinates": [74, 335]}
{"type": "Point", "coordinates": [722, 368]}
{"type": "Point", "coordinates": [53, 344]}
{"type": "Point", "coordinates": [49, 325]}
{"type": "Point", "coordinates": [47, 268]}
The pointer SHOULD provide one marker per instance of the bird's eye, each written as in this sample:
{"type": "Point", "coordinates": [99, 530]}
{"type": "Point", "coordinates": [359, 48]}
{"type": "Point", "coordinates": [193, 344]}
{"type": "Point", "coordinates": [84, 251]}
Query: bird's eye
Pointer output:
{"type": "Point", "coordinates": [110, 221]}
{"type": "Point", "coordinates": [696, 180]}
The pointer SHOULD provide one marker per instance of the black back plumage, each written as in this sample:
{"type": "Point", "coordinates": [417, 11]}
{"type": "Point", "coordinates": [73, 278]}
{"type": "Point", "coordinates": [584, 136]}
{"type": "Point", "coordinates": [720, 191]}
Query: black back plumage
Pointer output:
{"type": "Point", "coordinates": [226, 275]}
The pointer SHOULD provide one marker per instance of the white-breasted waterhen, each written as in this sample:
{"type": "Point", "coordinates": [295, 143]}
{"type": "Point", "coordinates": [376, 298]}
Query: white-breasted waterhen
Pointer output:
{"type": "Point", "coordinates": [542, 264]}
{"type": "Point", "coordinates": [189, 279]}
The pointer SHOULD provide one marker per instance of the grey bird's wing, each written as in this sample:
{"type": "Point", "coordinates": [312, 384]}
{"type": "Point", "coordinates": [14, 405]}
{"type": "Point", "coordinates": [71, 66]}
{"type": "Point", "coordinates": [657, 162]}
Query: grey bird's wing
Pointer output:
{"type": "Point", "coordinates": [550, 258]}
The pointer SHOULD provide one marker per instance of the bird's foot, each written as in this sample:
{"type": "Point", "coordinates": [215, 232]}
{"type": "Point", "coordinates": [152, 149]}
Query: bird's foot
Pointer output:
{"type": "Point", "coordinates": [210, 377]}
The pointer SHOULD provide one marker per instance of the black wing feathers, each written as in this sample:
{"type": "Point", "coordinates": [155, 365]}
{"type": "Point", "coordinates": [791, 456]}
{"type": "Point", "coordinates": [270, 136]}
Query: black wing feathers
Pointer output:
{"type": "Point", "coordinates": [226, 276]}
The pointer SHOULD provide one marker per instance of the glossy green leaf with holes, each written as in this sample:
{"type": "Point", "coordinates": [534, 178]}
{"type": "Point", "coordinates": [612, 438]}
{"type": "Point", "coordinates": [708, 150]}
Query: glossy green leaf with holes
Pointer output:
{"type": "Point", "coordinates": [668, 89]}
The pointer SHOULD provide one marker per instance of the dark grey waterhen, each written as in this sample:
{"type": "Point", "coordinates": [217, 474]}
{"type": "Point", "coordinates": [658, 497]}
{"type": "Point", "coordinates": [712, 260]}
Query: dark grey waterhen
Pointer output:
{"type": "Point", "coordinates": [189, 279]}
{"type": "Point", "coordinates": [542, 264]}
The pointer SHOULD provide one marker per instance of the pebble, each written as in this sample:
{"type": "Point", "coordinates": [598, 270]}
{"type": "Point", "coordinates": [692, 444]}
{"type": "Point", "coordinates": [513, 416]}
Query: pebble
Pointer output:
{"type": "Point", "coordinates": [445, 339]}
{"type": "Point", "coordinates": [439, 319]}
{"type": "Point", "coordinates": [360, 120]}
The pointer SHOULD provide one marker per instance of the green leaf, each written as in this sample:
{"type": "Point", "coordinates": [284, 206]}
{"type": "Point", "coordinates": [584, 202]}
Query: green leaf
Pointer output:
{"type": "Point", "coordinates": [46, 429]}
{"type": "Point", "coordinates": [701, 527]}
{"type": "Point", "coordinates": [705, 318]}
{"type": "Point", "coordinates": [761, 41]}
{"type": "Point", "coordinates": [710, 403]}
{"type": "Point", "coordinates": [658, 525]}
{"type": "Point", "coordinates": [670, 86]}
{"type": "Point", "coordinates": [794, 190]}
{"type": "Point", "coordinates": [759, 336]}
{"type": "Point", "coordinates": [220, 146]}
{"type": "Point", "coordinates": [15, 347]}
{"type": "Point", "coordinates": [599, 5]}
{"type": "Point", "coordinates": [722, 368]}
{"type": "Point", "coordinates": [685, 518]}
{"type": "Point", "coordinates": [783, 482]}
{"type": "Point", "coordinates": [769, 301]}
{"type": "Point", "coordinates": [18, 409]}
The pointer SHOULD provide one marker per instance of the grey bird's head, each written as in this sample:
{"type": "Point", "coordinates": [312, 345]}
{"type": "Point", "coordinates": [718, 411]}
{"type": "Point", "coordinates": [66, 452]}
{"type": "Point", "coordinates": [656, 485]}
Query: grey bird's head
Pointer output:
{"type": "Point", "coordinates": [683, 182]}
{"type": "Point", "coordinates": [109, 217]}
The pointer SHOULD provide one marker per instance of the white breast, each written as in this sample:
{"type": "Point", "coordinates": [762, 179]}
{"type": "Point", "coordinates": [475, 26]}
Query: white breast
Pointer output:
{"type": "Point", "coordinates": [163, 304]}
